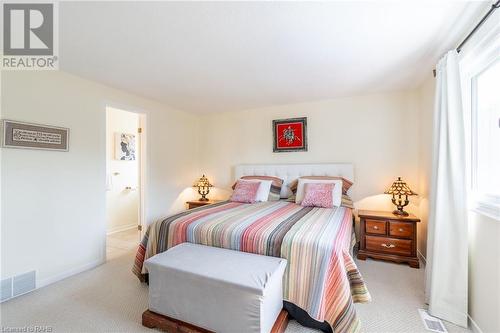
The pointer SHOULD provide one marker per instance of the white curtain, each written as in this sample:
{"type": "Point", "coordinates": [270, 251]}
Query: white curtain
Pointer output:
{"type": "Point", "coordinates": [446, 270]}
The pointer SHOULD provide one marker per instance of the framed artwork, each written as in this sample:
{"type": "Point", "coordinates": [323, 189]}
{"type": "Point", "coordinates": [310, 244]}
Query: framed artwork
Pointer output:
{"type": "Point", "coordinates": [16, 134]}
{"type": "Point", "coordinates": [125, 146]}
{"type": "Point", "coordinates": [290, 135]}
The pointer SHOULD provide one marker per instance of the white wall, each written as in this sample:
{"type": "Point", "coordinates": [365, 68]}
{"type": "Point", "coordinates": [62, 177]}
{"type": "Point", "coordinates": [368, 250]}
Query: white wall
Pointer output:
{"type": "Point", "coordinates": [377, 133]}
{"type": "Point", "coordinates": [53, 203]}
{"type": "Point", "coordinates": [484, 272]}
{"type": "Point", "coordinates": [122, 205]}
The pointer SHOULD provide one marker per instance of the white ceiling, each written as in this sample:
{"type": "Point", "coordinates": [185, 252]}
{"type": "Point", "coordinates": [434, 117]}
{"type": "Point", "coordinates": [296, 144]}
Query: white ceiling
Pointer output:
{"type": "Point", "coordinates": [228, 56]}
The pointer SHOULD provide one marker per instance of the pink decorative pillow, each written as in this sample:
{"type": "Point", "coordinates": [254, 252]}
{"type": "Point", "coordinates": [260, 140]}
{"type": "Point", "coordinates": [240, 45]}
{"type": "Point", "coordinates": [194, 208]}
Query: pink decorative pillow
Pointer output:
{"type": "Point", "coordinates": [245, 192]}
{"type": "Point", "coordinates": [277, 183]}
{"type": "Point", "coordinates": [318, 195]}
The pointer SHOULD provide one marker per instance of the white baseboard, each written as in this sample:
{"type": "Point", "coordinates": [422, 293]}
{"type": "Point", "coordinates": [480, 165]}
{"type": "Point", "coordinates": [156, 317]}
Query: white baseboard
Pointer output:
{"type": "Point", "coordinates": [122, 228]}
{"type": "Point", "coordinates": [421, 257]}
{"type": "Point", "coordinates": [58, 277]}
{"type": "Point", "coordinates": [474, 326]}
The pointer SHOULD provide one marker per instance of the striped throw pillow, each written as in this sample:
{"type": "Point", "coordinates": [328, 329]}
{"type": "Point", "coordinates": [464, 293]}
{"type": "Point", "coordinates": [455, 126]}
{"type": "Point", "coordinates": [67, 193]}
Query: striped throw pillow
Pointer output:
{"type": "Point", "coordinates": [346, 184]}
{"type": "Point", "coordinates": [347, 201]}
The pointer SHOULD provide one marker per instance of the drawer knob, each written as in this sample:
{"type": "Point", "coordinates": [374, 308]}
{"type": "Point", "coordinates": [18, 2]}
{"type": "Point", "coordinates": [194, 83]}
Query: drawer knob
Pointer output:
{"type": "Point", "coordinates": [389, 246]}
{"type": "Point", "coordinates": [375, 227]}
{"type": "Point", "coordinates": [401, 230]}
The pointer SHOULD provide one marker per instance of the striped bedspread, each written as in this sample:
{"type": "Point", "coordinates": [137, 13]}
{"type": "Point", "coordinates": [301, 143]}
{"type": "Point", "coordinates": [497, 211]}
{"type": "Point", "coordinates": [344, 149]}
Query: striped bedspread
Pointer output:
{"type": "Point", "coordinates": [321, 276]}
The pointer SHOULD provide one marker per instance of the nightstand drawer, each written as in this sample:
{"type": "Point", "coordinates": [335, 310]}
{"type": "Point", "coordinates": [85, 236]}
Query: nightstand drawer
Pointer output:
{"type": "Point", "coordinates": [389, 245]}
{"type": "Point", "coordinates": [400, 229]}
{"type": "Point", "coordinates": [375, 227]}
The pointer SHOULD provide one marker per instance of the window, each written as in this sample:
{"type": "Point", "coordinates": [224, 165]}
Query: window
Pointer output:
{"type": "Point", "coordinates": [481, 88]}
{"type": "Point", "coordinates": [486, 130]}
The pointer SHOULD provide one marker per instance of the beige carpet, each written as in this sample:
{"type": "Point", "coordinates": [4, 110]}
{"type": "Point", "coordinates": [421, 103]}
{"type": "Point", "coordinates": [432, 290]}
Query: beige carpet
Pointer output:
{"type": "Point", "coordinates": [121, 243]}
{"type": "Point", "coordinates": [110, 299]}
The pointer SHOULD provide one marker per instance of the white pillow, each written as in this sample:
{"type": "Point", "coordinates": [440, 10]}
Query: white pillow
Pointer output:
{"type": "Point", "coordinates": [337, 190]}
{"type": "Point", "coordinates": [264, 188]}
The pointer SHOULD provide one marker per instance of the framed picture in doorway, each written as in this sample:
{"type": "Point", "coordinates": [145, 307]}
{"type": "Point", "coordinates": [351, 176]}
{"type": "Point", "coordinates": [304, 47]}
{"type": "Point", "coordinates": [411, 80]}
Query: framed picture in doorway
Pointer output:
{"type": "Point", "coordinates": [290, 135]}
{"type": "Point", "coordinates": [125, 146]}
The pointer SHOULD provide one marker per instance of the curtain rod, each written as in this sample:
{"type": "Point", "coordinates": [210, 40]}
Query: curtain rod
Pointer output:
{"type": "Point", "coordinates": [485, 17]}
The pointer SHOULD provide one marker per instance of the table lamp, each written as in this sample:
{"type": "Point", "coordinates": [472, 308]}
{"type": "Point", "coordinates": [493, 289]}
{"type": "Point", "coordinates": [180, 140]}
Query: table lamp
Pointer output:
{"type": "Point", "coordinates": [203, 185]}
{"type": "Point", "coordinates": [399, 189]}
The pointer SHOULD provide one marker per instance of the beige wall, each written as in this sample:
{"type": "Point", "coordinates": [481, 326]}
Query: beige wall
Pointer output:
{"type": "Point", "coordinates": [377, 133]}
{"type": "Point", "coordinates": [122, 205]}
{"type": "Point", "coordinates": [426, 111]}
{"type": "Point", "coordinates": [53, 203]}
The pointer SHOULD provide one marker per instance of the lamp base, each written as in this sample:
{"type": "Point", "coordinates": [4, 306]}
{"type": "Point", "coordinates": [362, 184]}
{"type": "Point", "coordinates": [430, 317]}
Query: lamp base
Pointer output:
{"type": "Point", "coordinates": [400, 212]}
{"type": "Point", "coordinates": [203, 199]}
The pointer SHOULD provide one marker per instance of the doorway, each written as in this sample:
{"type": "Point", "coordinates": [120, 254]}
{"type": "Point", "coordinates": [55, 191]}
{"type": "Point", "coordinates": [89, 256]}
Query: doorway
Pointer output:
{"type": "Point", "coordinates": [124, 188]}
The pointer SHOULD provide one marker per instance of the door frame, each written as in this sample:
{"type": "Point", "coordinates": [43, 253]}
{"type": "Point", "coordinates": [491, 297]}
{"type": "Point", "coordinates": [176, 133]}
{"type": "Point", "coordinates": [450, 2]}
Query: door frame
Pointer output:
{"type": "Point", "coordinates": [142, 174]}
{"type": "Point", "coordinates": [143, 159]}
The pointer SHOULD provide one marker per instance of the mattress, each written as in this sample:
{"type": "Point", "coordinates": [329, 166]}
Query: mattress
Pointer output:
{"type": "Point", "coordinates": [321, 277]}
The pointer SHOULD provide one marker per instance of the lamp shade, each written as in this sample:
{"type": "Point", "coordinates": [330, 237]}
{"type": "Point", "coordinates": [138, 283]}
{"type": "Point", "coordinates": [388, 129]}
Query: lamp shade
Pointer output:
{"type": "Point", "coordinates": [203, 185]}
{"type": "Point", "coordinates": [202, 182]}
{"type": "Point", "coordinates": [399, 187]}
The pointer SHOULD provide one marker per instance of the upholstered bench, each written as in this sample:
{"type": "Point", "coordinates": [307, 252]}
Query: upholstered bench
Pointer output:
{"type": "Point", "coordinates": [197, 288]}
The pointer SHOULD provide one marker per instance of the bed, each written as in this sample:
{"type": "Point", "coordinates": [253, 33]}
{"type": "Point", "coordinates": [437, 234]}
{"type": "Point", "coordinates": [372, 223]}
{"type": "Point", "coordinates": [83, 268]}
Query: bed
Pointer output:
{"type": "Point", "coordinates": [321, 278]}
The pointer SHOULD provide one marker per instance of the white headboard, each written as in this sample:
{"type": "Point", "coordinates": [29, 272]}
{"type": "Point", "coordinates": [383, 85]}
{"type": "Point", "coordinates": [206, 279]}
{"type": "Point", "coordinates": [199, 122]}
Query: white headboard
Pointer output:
{"type": "Point", "coordinates": [290, 172]}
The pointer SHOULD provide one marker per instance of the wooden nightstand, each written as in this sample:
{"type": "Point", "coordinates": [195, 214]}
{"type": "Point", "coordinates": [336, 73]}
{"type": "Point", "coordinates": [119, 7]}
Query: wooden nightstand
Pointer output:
{"type": "Point", "coordinates": [388, 237]}
{"type": "Point", "coordinates": [197, 203]}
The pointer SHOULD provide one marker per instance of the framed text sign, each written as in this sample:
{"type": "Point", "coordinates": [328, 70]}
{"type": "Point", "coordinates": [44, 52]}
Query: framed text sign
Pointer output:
{"type": "Point", "coordinates": [17, 134]}
{"type": "Point", "coordinates": [290, 135]}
